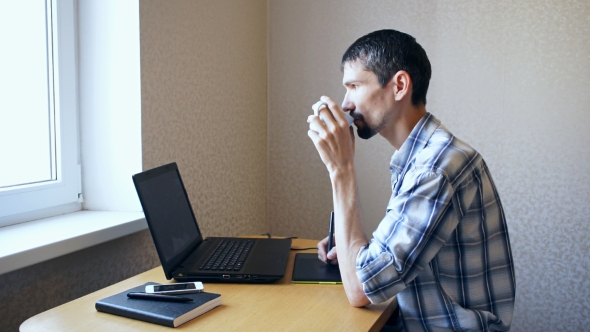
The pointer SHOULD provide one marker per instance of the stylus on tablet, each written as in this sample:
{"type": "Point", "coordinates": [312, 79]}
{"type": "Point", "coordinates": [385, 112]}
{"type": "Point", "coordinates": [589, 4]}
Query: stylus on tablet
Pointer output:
{"type": "Point", "coordinates": [330, 236]}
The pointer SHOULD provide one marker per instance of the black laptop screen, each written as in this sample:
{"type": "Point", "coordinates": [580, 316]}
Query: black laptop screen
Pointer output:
{"type": "Point", "coordinates": [170, 216]}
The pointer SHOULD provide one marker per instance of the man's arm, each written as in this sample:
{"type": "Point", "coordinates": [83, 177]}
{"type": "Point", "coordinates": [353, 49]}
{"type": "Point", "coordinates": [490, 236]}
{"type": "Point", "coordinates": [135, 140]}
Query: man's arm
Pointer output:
{"type": "Point", "coordinates": [349, 233]}
{"type": "Point", "coordinates": [334, 141]}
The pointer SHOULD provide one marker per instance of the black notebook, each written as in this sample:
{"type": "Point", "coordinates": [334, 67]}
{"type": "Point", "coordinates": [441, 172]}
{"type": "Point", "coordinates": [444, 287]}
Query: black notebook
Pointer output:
{"type": "Point", "coordinates": [170, 314]}
{"type": "Point", "coordinates": [308, 269]}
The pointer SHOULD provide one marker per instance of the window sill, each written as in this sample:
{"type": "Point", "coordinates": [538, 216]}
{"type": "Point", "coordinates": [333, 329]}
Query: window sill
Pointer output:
{"type": "Point", "coordinates": [36, 241]}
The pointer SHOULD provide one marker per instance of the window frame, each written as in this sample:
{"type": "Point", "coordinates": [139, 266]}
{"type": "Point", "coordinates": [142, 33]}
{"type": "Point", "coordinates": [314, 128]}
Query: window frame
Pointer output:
{"type": "Point", "coordinates": [40, 200]}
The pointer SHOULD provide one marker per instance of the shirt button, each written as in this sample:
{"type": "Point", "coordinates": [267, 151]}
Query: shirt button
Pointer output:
{"type": "Point", "coordinates": [386, 257]}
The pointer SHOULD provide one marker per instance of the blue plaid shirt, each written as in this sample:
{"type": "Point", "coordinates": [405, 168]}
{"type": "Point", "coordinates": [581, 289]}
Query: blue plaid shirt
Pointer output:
{"type": "Point", "coordinates": [443, 246]}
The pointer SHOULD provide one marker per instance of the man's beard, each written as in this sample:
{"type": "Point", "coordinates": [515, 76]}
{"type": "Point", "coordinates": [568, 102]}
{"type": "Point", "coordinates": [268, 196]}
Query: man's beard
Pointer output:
{"type": "Point", "coordinates": [364, 131]}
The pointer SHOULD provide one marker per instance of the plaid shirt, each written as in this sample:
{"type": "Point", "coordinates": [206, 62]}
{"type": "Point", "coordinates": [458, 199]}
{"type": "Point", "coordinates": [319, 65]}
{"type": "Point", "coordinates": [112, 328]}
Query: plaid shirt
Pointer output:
{"type": "Point", "coordinates": [443, 246]}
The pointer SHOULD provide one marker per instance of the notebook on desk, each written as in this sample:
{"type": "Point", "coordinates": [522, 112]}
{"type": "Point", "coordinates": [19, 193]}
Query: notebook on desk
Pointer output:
{"type": "Point", "coordinates": [184, 253]}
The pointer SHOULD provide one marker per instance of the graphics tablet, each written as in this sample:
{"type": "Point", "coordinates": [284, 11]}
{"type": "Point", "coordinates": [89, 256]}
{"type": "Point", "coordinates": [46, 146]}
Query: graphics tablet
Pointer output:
{"type": "Point", "coordinates": [308, 269]}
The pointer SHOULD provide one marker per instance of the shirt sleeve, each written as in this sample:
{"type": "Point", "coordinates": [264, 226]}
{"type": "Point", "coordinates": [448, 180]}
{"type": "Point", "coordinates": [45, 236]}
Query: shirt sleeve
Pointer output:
{"type": "Point", "coordinates": [417, 224]}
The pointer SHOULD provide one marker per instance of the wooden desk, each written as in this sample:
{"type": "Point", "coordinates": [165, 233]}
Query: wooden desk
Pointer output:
{"type": "Point", "coordinates": [281, 306]}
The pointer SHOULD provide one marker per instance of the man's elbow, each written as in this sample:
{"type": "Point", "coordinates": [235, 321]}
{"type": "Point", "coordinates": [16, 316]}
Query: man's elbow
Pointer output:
{"type": "Point", "coordinates": [358, 300]}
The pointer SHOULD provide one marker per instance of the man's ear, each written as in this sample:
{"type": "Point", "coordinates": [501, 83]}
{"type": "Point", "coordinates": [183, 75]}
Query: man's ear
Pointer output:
{"type": "Point", "coordinates": [401, 83]}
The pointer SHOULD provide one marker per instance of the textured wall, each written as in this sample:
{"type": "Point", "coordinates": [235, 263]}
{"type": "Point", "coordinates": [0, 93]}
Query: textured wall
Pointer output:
{"type": "Point", "coordinates": [203, 72]}
{"type": "Point", "coordinates": [40, 287]}
{"type": "Point", "coordinates": [509, 77]}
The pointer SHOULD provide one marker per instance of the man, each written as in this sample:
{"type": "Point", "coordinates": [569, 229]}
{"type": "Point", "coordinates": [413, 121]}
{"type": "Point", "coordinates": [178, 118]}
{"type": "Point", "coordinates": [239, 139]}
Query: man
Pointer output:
{"type": "Point", "coordinates": [442, 247]}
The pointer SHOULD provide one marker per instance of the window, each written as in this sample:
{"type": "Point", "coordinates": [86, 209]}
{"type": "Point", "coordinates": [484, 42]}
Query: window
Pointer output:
{"type": "Point", "coordinates": [39, 172]}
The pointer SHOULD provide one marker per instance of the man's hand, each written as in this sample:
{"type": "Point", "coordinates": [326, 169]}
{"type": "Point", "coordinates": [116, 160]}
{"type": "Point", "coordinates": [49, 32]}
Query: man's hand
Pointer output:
{"type": "Point", "coordinates": [331, 255]}
{"type": "Point", "coordinates": [333, 137]}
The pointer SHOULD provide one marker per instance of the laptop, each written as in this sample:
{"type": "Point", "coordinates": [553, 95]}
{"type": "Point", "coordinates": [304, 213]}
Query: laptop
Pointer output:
{"type": "Point", "coordinates": [184, 253]}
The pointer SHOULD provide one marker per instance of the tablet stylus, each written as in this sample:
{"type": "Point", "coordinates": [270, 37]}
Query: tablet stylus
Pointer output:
{"type": "Point", "coordinates": [330, 236]}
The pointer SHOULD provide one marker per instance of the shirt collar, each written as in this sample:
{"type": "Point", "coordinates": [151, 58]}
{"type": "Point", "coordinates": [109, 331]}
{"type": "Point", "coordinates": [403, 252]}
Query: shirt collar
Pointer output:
{"type": "Point", "coordinates": [418, 138]}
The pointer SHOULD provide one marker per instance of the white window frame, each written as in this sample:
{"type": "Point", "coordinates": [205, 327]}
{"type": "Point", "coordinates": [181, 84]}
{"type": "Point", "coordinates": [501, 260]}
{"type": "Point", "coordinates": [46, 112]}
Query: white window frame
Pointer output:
{"type": "Point", "coordinates": [109, 102]}
{"type": "Point", "coordinates": [61, 196]}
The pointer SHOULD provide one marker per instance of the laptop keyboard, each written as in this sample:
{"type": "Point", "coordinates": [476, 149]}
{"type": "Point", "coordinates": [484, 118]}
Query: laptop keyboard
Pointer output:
{"type": "Point", "coordinates": [229, 255]}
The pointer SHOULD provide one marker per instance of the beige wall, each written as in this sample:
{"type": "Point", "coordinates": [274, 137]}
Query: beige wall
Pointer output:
{"type": "Point", "coordinates": [510, 77]}
{"type": "Point", "coordinates": [203, 74]}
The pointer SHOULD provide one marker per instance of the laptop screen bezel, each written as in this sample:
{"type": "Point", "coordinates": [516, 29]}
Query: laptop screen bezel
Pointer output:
{"type": "Point", "coordinates": [170, 265]}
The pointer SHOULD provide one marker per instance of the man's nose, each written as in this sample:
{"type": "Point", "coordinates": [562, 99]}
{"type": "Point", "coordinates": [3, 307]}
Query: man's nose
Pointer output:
{"type": "Point", "coordinates": [347, 104]}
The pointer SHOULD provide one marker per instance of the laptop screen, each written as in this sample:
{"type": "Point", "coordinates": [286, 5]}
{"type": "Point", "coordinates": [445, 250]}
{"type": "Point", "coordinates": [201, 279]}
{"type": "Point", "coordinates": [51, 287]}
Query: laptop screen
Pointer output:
{"type": "Point", "coordinates": [168, 211]}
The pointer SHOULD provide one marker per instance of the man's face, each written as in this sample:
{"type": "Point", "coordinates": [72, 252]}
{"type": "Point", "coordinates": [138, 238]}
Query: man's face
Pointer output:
{"type": "Point", "coordinates": [369, 104]}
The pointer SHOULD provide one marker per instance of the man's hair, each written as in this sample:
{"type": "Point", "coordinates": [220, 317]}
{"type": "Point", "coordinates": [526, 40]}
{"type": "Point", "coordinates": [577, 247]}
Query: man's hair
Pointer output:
{"type": "Point", "coordinates": [385, 52]}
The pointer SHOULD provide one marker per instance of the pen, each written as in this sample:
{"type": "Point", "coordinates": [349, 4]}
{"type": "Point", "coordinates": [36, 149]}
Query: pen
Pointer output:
{"type": "Point", "coordinates": [158, 297]}
{"type": "Point", "coordinates": [330, 236]}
